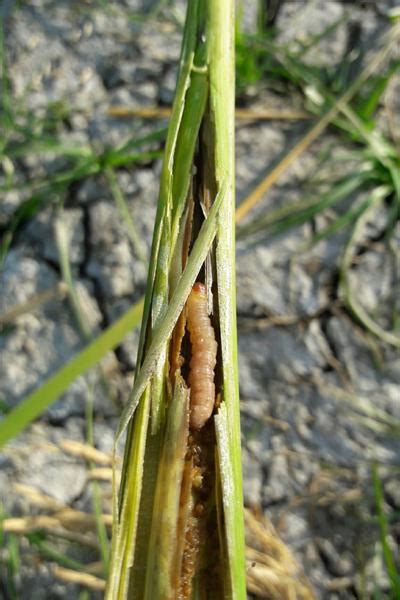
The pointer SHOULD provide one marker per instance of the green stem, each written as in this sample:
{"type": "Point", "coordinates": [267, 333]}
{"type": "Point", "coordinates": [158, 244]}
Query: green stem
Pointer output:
{"type": "Point", "coordinates": [222, 101]}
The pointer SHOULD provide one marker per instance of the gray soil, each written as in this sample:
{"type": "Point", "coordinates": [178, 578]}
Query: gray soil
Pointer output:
{"type": "Point", "coordinates": [311, 380]}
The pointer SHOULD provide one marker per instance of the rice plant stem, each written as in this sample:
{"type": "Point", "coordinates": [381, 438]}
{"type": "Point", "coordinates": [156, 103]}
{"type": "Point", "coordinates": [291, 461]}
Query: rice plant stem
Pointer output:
{"type": "Point", "coordinates": [166, 324]}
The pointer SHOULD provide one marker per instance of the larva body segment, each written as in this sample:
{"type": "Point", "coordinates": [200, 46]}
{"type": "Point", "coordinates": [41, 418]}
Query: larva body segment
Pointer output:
{"type": "Point", "coordinates": [204, 357]}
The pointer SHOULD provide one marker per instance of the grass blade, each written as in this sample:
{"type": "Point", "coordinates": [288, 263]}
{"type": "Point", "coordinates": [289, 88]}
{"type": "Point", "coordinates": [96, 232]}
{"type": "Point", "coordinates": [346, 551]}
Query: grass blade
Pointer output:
{"type": "Point", "coordinates": [390, 337]}
{"type": "Point", "coordinates": [392, 571]}
{"type": "Point", "coordinates": [124, 211]}
{"type": "Point", "coordinates": [336, 106]}
{"type": "Point", "coordinates": [33, 405]}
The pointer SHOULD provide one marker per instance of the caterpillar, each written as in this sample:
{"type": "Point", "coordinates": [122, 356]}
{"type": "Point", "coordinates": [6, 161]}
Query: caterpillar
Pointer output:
{"type": "Point", "coordinates": [204, 356]}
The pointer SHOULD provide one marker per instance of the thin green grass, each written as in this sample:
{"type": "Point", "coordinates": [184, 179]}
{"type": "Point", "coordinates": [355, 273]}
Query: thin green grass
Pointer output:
{"type": "Point", "coordinates": [376, 179]}
{"type": "Point", "coordinates": [49, 552]}
{"type": "Point", "coordinates": [6, 114]}
{"type": "Point", "coordinates": [87, 335]}
{"type": "Point", "coordinates": [389, 559]}
{"type": "Point", "coordinates": [126, 217]}
{"type": "Point", "coordinates": [33, 405]}
{"type": "Point", "coordinates": [25, 135]}
{"type": "Point", "coordinates": [85, 164]}
{"type": "Point", "coordinates": [372, 148]}
{"type": "Point", "coordinates": [66, 275]}
{"type": "Point", "coordinates": [260, 58]}
{"type": "Point", "coordinates": [301, 211]}
{"type": "Point", "coordinates": [377, 196]}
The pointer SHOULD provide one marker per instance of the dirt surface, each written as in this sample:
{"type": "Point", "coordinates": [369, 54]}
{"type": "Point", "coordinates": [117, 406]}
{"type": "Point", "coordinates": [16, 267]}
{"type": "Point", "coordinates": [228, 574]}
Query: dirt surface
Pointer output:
{"type": "Point", "coordinates": [312, 381]}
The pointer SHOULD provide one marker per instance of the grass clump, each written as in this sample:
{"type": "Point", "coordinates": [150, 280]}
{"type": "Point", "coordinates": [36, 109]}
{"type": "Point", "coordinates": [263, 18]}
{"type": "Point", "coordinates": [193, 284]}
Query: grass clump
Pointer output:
{"type": "Point", "coordinates": [347, 100]}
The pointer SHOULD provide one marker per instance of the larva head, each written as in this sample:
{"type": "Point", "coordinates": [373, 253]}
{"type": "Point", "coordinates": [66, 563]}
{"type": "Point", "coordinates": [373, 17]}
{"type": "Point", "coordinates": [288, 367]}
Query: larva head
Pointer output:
{"type": "Point", "coordinates": [199, 288]}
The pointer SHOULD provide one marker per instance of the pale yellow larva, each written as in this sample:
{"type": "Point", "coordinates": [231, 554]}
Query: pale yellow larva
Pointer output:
{"type": "Point", "coordinates": [203, 360]}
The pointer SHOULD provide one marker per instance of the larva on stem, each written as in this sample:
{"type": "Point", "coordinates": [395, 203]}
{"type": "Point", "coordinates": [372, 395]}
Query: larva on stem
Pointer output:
{"type": "Point", "coordinates": [204, 357]}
